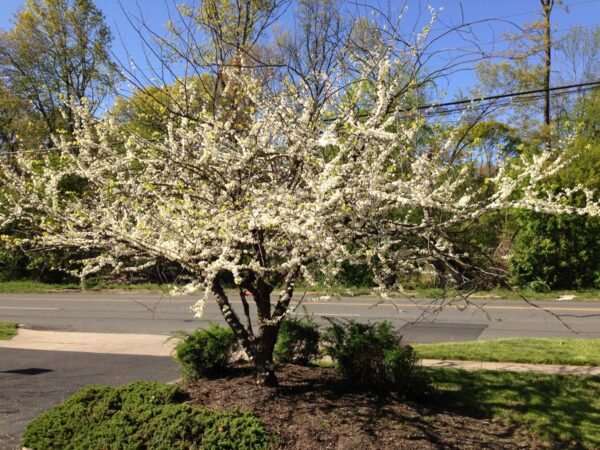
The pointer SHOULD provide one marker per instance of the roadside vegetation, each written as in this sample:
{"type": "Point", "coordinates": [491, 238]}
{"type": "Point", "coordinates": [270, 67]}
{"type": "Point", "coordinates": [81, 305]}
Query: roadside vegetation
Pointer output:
{"type": "Point", "coordinates": [7, 330]}
{"type": "Point", "coordinates": [38, 287]}
{"type": "Point", "coordinates": [506, 294]}
{"type": "Point", "coordinates": [577, 352]}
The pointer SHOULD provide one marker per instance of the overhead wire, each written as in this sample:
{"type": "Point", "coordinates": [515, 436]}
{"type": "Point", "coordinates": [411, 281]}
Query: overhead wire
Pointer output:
{"type": "Point", "coordinates": [437, 109]}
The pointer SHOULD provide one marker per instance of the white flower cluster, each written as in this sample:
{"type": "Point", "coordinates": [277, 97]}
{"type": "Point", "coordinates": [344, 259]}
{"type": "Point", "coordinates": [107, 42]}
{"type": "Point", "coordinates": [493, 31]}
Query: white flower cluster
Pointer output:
{"type": "Point", "coordinates": [198, 308]}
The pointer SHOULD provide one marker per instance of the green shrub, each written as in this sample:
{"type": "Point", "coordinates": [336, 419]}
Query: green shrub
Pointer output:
{"type": "Point", "coordinates": [371, 356]}
{"type": "Point", "coordinates": [141, 415]}
{"type": "Point", "coordinates": [539, 286]}
{"type": "Point", "coordinates": [13, 263]}
{"type": "Point", "coordinates": [355, 275]}
{"type": "Point", "coordinates": [560, 251]}
{"type": "Point", "coordinates": [205, 353]}
{"type": "Point", "coordinates": [297, 342]}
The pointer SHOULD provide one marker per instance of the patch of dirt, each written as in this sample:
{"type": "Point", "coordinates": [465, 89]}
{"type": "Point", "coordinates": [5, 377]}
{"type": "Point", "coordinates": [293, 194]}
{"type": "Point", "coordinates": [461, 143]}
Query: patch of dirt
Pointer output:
{"type": "Point", "coordinates": [313, 408]}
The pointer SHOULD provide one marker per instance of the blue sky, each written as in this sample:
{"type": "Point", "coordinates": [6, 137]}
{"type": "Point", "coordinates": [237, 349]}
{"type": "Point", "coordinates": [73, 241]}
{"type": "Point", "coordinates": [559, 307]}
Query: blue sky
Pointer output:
{"type": "Point", "coordinates": [584, 13]}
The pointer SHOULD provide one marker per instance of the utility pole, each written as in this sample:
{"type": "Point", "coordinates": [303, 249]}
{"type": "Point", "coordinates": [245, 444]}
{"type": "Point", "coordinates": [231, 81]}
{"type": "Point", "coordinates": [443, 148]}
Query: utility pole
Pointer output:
{"type": "Point", "coordinates": [547, 6]}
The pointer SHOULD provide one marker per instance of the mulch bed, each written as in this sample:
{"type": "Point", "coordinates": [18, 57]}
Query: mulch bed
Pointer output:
{"type": "Point", "coordinates": [314, 409]}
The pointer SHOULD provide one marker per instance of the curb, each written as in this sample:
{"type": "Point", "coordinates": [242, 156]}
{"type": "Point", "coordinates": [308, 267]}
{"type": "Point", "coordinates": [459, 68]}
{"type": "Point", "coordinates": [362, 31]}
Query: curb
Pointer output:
{"type": "Point", "coordinates": [512, 367]}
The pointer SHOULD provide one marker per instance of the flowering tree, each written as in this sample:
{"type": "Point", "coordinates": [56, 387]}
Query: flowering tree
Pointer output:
{"type": "Point", "coordinates": [298, 181]}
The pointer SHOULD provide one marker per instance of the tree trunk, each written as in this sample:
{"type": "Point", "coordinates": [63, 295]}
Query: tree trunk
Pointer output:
{"type": "Point", "coordinates": [264, 368]}
{"type": "Point", "coordinates": [264, 346]}
{"type": "Point", "coordinates": [259, 348]}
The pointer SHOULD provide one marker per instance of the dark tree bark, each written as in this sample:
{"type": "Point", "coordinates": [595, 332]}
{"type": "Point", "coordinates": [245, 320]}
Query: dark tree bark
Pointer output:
{"type": "Point", "coordinates": [259, 347]}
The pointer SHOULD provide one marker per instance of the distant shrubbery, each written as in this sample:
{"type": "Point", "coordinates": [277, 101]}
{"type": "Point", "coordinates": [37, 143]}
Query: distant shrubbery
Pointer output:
{"type": "Point", "coordinates": [141, 415]}
{"type": "Point", "coordinates": [556, 252]}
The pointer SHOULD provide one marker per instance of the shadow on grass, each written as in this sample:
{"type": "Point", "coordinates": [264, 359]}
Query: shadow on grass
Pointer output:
{"type": "Point", "coordinates": [561, 408]}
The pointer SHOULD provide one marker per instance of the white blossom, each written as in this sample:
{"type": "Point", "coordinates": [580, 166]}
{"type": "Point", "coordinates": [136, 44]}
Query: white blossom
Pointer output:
{"type": "Point", "coordinates": [198, 308]}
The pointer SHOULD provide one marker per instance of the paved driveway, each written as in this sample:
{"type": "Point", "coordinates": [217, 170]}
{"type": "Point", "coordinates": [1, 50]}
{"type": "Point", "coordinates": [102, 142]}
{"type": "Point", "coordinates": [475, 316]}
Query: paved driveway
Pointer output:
{"type": "Point", "coordinates": [32, 381]}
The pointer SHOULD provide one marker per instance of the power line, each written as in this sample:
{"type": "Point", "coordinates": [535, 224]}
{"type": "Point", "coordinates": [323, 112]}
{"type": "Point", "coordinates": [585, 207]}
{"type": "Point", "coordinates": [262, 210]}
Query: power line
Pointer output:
{"type": "Point", "coordinates": [508, 102]}
{"type": "Point", "coordinates": [463, 105]}
{"type": "Point", "coordinates": [475, 100]}
{"type": "Point", "coordinates": [509, 94]}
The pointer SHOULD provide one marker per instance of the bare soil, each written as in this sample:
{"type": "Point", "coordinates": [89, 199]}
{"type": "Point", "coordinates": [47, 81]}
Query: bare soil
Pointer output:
{"type": "Point", "coordinates": [313, 408]}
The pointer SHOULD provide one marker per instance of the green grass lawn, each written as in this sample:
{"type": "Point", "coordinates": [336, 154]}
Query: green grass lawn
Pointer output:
{"type": "Point", "coordinates": [7, 330]}
{"type": "Point", "coordinates": [580, 352]}
{"type": "Point", "coordinates": [556, 407]}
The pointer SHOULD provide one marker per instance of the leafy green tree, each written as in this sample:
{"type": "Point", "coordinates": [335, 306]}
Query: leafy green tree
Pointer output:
{"type": "Point", "coordinates": [20, 125]}
{"type": "Point", "coordinates": [564, 251]}
{"type": "Point", "coordinates": [527, 64]}
{"type": "Point", "coordinates": [58, 52]}
{"type": "Point", "coordinates": [148, 109]}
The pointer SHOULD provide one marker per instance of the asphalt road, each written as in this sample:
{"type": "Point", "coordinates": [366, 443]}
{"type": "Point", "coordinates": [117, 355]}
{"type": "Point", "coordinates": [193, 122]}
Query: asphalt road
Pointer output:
{"type": "Point", "coordinates": [419, 320]}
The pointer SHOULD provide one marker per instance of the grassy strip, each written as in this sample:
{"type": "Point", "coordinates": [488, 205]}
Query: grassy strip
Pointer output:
{"type": "Point", "coordinates": [35, 287]}
{"type": "Point", "coordinates": [556, 407]}
{"type": "Point", "coordinates": [7, 330]}
{"type": "Point", "coordinates": [577, 352]}
{"type": "Point", "coordinates": [32, 287]}
{"type": "Point", "coordinates": [505, 294]}
{"type": "Point", "coordinates": [502, 294]}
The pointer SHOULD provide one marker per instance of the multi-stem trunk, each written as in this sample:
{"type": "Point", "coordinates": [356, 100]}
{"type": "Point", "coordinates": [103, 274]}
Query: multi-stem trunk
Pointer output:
{"type": "Point", "coordinates": [259, 347]}
{"type": "Point", "coordinates": [264, 343]}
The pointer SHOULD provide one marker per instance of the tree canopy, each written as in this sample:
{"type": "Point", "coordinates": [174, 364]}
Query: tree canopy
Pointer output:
{"type": "Point", "coordinates": [56, 53]}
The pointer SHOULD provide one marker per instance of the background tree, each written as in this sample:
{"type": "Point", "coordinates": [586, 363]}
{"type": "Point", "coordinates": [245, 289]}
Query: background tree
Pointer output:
{"type": "Point", "coordinates": [577, 61]}
{"type": "Point", "coordinates": [20, 126]}
{"type": "Point", "coordinates": [202, 41]}
{"type": "Point", "coordinates": [563, 252]}
{"type": "Point", "coordinates": [526, 64]}
{"type": "Point", "coordinates": [57, 53]}
{"type": "Point", "coordinates": [548, 252]}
